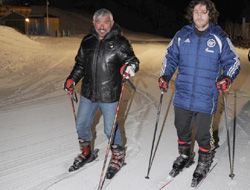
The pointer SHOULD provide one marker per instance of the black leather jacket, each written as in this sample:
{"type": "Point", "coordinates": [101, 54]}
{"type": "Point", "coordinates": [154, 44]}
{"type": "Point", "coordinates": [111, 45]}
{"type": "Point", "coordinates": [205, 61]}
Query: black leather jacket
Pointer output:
{"type": "Point", "coordinates": [98, 63]}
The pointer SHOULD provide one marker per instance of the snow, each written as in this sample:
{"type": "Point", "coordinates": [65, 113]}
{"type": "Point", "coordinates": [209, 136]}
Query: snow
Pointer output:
{"type": "Point", "coordinates": [38, 137]}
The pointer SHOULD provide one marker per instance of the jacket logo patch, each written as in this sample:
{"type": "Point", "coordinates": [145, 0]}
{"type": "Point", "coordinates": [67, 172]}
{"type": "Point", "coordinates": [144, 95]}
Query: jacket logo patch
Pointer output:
{"type": "Point", "coordinates": [111, 45]}
{"type": "Point", "coordinates": [187, 40]}
{"type": "Point", "coordinates": [210, 43]}
{"type": "Point", "coordinates": [209, 50]}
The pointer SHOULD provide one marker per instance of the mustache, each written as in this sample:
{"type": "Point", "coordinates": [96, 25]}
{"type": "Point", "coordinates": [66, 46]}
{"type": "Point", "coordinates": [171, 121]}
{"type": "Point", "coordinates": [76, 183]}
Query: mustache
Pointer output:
{"type": "Point", "coordinates": [101, 29]}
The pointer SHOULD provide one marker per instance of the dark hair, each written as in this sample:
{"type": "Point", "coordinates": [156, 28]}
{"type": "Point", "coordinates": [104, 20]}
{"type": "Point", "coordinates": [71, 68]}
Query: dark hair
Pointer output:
{"type": "Point", "coordinates": [213, 13]}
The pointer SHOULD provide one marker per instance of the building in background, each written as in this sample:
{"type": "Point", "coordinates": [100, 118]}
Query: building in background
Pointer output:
{"type": "Point", "coordinates": [246, 28]}
{"type": "Point", "coordinates": [38, 25]}
{"type": "Point", "coordinates": [15, 20]}
{"type": "Point", "coordinates": [22, 19]}
{"type": "Point", "coordinates": [8, 9]}
{"type": "Point", "coordinates": [239, 32]}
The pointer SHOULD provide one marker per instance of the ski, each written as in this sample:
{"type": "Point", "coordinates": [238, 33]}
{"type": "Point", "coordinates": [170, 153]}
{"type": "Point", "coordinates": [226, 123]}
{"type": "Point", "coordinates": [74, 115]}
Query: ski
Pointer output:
{"type": "Point", "coordinates": [111, 174]}
{"type": "Point", "coordinates": [176, 171]}
{"type": "Point", "coordinates": [76, 165]}
{"type": "Point", "coordinates": [69, 174]}
{"type": "Point", "coordinates": [173, 173]}
{"type": "Point", "coordinates": [196, 182]}
{"type": "Point", "coordinates": [168, 180]}
{"type": "Point", "coordinates": [107, 181]}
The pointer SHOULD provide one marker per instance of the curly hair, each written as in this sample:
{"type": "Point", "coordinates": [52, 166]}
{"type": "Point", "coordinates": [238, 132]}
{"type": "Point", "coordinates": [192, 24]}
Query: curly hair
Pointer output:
{"type": "Point", "coordinates": [213, 13]}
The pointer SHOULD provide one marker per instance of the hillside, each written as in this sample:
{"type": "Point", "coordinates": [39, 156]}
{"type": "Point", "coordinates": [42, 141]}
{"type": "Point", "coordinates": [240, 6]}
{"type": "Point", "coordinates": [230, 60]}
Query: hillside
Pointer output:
{"type": "Point", "coordinates": [24, 58]}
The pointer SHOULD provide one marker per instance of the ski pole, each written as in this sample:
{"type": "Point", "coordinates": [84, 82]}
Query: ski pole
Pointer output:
{"type": "Point", "coordinates": [162, 127]}
{"type": "Point", "coordinates": [131, 99]}
{"type": "Point", "coordinates": [228, 137]}
{"type": "Point", "coordinates": [234, 129]}
{"type": "Point", "coordinates": [73, 98]}
{"type": "Point", "coordinates": [131, 84]}
{"type": "Point", "coordinates": [155, 130]}
{"type": "Point", "coordinates": [129, 105]}
{"type": "Point", "coordinates": [103, 172]}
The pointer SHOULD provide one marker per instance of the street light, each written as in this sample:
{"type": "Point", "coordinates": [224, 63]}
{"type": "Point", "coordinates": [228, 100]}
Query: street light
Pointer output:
{"type": "Point", "coordinates": [47, 16]}
{"type": "Point", "coordinates": [27, 20]}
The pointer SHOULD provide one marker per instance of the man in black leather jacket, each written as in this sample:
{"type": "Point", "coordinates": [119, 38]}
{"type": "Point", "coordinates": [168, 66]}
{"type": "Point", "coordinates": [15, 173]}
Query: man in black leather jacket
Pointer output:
{"type": "Point", "coordinates": [104, 58]}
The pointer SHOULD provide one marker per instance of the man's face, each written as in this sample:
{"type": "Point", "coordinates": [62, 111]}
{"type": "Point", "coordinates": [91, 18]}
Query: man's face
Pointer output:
{"type": "Point", "coordinates": [103, 25]}
{"type": "Point", "coordinates": [201, 17]}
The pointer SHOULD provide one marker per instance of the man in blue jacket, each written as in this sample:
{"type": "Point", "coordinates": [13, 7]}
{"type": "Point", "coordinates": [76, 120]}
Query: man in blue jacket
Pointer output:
{"type": "Point", "coordinates": [207, 64]}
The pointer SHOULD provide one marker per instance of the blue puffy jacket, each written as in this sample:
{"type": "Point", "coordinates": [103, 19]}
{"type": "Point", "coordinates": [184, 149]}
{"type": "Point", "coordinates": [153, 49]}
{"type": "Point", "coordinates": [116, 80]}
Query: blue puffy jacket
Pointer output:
{"type": "Point", "coordinates": [200, 60]}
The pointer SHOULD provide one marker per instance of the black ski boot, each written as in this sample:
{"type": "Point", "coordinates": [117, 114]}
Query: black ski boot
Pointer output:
{"type": "Point", "coordinates": [116, 162]}
{"type": "Point", "coordinates": [185, 160]}
{"type": "Point", "coordinates": [204, 162]}
{"type": "Point", "coordinates": [83, 157]}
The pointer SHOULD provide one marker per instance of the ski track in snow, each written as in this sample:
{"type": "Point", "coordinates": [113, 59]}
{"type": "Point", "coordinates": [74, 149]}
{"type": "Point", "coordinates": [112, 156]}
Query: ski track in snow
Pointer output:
{"type": "Point", "coordinates": [45, 155]}
{"type": "Point", "coordinates": [133, 148]}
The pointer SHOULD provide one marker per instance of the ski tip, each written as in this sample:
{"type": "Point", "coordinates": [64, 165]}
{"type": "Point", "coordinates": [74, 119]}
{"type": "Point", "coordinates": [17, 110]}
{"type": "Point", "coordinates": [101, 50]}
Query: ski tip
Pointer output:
{"type": "Point", "coordinates": [194, 182]}
{"type": "Point", "coordinates": [166, 182]}
{"type": "Point", "coordinates": [110, 175]}
{"type": "Point", "coordinates": [146, 177]}
{"type": "Point", "coordinates": [93, 157]}
{"type": "Point", "coordinates": [96, 150]}
{"type": "Point", "coordinates": [71, 169]}
{"type": "Point", "coordinates": [169, 177]}
{"type": "Point", "coordinates": [95, 153]}
{"type": "Point", "coordinates": [192, 188]}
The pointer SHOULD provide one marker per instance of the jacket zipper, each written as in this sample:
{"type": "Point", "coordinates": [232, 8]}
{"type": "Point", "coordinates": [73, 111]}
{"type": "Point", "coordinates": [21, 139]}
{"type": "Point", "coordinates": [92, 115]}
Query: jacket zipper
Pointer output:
{"type": "Point", "coordinates": [95, 60]}
{"type": "Point", "coordinates": [196, 63]}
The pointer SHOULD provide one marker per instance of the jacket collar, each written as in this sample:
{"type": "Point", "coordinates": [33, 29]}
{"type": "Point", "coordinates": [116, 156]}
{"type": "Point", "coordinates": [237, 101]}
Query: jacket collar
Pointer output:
{"type": "Point", "coordinates": [203, 33]}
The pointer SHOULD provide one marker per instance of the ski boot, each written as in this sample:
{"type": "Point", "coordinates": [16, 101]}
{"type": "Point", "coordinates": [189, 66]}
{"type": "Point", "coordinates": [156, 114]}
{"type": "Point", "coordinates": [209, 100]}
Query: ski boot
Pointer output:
{"type": "Point", "coordinates": [116, 162]}
{"type": "Point", "coordinates": [185, 160]}
{"type": "Point", "coordinates": [204, 162]}
{"type": "Point", "coordinates": [83, 157]}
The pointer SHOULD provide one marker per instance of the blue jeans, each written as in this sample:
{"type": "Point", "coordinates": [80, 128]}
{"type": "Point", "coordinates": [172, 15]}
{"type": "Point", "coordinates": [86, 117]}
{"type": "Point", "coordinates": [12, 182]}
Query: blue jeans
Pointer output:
{"type": "Point", "coordinates": [85, 116]}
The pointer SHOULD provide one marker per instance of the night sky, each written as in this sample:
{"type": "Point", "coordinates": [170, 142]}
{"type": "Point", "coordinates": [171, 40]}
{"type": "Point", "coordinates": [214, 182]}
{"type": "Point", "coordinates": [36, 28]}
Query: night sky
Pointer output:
{"type": "Point", "coordinates": [152, 16]}
{"type": "Point", "coordinates": [227, 8]}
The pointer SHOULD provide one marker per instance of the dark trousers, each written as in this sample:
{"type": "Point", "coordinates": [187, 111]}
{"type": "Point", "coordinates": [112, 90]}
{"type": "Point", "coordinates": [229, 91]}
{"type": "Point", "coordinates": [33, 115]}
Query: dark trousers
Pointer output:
{"type": "Point", "coordinates": [183, 123]}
